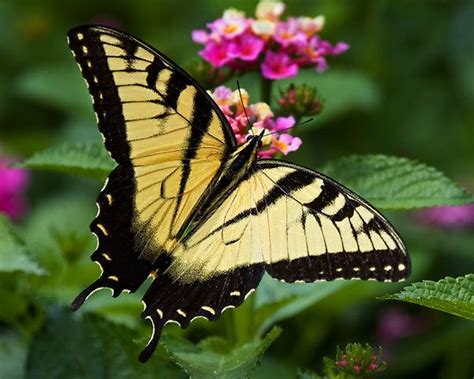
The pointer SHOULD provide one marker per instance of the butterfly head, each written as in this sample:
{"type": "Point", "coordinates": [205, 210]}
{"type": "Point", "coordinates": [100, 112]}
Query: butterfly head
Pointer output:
{"type": "Point", "coordinates": [257, 139]}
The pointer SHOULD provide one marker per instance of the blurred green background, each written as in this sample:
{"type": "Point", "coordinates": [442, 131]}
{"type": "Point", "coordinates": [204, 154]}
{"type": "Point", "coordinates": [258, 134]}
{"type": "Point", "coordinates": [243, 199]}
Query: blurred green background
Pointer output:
{"type": "Point", "coordinates": [406, 88]}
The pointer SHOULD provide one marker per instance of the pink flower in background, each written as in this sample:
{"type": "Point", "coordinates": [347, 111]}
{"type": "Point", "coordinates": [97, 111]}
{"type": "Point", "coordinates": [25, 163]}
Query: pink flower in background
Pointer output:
{"type": "Point", "coordinates": [13, 183]}
{"type": "Point", "coordinates": [260, 117]}
{"type": "Point", "coordinates": [200, 36]}
{"type": "Point", "coordinates": [287, 143]}
{"type": "Point", "coordinates": [288, 33]}
{"type": "Point", "coordinates": [278, 66]}
{"type": "Point", "coordinates": [216, 53]}
{"type": "Point", "coordinates": [276, 47]}
{"type": "Point", "coordinates": [247, 47]}
{"type": "Point", "coordinates": [232, 24]}
{"type": "Point", "coordinates": [449, 217]}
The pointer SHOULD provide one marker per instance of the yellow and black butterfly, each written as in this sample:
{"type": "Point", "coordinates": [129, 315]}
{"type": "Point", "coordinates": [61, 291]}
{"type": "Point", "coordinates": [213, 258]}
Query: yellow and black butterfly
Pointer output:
{"type": "Point", "coordinates": [202, 216]}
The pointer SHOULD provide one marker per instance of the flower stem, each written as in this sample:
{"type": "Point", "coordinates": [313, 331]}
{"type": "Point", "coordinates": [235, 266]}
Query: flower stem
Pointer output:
{"type": "Point", "coordinates": [266, 90]}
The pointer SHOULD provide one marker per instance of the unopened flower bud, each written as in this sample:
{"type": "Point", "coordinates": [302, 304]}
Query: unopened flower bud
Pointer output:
{"type": "Point", "coordinates": [301, 100]}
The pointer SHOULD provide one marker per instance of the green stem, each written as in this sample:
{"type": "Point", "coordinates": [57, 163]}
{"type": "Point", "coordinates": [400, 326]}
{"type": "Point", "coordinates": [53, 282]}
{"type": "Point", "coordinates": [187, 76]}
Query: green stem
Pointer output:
{"type": "Point", "coordinates": [266, 90]}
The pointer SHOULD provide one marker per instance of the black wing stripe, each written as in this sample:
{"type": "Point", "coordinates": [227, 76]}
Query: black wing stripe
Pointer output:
{"type": "Point", "coordinates": [98, 76]}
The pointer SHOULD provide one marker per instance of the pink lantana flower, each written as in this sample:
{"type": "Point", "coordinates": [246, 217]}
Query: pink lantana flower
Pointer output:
{"type": "Point", "coordinates": [269, 10]}
{"type": "Point", "coordinates": [310, 26]}
{"type": "Point", "coordinates": [216, 53]}
{"type": "Point", "coordinates": [200, 36]}
{"type": "Point", "coordinates": [286, 143]}
{"type": "Point", "coordinates": [278, 66]}
{"type": "Point", "coordinates": [247, 47]}
{"type": "Point", "coordinates": [260, 117]}
{"type": "Point", "coordinates": [13, 183]}
{"type": "Point", "coordinates": [288, 33]}
{"type": "Point", "coordinates": [231, 25]}
{"type": "Point", "coordinates": [247, 44]}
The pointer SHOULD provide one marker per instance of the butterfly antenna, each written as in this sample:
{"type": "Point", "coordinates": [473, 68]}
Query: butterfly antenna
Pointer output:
{"type": "Point", "coordinates": [291, 127]}
{"type": "Point", "coordinates": [243, 106]}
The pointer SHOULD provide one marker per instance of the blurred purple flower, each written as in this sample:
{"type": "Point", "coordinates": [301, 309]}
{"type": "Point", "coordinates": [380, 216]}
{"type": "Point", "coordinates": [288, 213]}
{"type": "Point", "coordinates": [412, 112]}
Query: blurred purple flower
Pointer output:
{"type": "Point", "coordinates": [13, 183]}
{"type": "Point", "coordinates": [449, 216]}
{"type": "Point", "coordinates": [394, 324]}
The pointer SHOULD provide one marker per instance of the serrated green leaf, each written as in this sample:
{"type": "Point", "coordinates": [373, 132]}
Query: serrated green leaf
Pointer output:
{"type": "Point", "coordinates": [86, 158]}
{"type": "Point", "coordinates": [396, 183]}
{"type": "Point", "coordinates": [72, 345]}
{"type": "Point", "coordinates": [203, 361]}
{"type": "Point", "coordinates": [450, 295]}
{"type": "Point", "coordinates": [276, 301]}
{"type": "Point", "coordinates": [13, 255]}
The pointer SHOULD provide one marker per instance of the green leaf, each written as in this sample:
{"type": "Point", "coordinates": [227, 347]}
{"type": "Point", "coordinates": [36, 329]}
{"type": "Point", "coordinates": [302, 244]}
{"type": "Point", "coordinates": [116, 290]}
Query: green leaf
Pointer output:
{"type": "Point", "coordinates": [60, 86]}
{"type": "Point", "coordinates": [396, 183]}
{"type": "Point", "coordinates": [72, 345]}
{"type": "Point", "coordinates": [276, 301]}
{"type": "Point", "coordinates": [85, 158]}
{"type": "Point", "coordinates": [13, 255]}
{"type": "Point", "coordinates": [12, 355]}
{"type": "Point", "coordinates": [454, 296]}
{"type": "Point", "coordinates": [209, 359]}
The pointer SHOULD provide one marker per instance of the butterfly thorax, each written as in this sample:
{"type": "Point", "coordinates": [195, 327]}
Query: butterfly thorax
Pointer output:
{"type": "Point", "coordinates": [241, 161]}
{"type": "Point", "coordinates": [236, 168]}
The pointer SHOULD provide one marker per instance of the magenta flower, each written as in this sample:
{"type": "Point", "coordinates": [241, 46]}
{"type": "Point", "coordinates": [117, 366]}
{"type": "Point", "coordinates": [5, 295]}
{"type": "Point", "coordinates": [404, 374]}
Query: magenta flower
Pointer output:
{"type": "Point", "coordinates": [281, 123]}
{"type": "Point", "coordinates": [216, 53]}
{"type": "Point", "coordinates": [260, 117]}
{"type": "Point", "coordinates": [278, 66]}
{"type": "Point", "coordinates": [200, 36]}
{"type": "Point", "coordinates": [449, 217]}
{"type": "Point", "coordinates": [13, 183]}
{"type": "Point", "coordinates": [286, 143]}
{"type": "Point", "coordinates": [266, 43]}
{"type": "Point", "coordinates": [231, 25]}
{"type": "Point", "coordinates": [326, 48]}
{"type": "Point", "coordinates": [247, 47]}
{"type": "Point", "coordinates": [288, 33]}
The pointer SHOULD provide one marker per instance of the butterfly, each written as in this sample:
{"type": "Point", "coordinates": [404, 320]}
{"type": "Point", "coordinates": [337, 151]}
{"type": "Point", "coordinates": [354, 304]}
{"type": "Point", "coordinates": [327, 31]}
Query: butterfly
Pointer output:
{"type": "Point", "coordinates": [202, 216]}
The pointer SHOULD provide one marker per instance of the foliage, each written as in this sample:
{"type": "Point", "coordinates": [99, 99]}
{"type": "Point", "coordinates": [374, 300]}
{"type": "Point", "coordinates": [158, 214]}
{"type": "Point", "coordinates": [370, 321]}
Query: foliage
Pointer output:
{"type": "Point", "coordinates": [215, 358]}
{"type": "Point", "coordinates": [396, 183]}
{"type": "Point", "coordinates": [451, 295]}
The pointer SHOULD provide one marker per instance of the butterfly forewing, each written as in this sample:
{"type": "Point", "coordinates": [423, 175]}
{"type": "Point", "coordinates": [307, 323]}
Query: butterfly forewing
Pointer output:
{"type": "Point", "coordinates": [169, 139]}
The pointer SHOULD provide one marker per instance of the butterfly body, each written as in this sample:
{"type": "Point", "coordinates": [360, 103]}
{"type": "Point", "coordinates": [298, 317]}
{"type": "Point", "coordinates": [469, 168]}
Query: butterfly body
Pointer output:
{"type": "Point", "coordinates": [203, 217]}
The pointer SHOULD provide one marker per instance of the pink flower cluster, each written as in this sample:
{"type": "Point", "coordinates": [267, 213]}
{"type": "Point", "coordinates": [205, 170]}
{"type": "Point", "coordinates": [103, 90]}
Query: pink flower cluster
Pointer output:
{"type": "Point", "coordinates": [13, 183]}
{"type": "Point", "coordinates": [260, 117]}
{"type": "Point", "coordinates": [278, 48]}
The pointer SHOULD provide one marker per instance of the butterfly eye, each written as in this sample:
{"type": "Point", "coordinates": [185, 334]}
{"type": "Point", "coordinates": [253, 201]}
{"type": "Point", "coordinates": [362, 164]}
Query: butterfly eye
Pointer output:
{"type": "Point", "coordinates": [248, 138]}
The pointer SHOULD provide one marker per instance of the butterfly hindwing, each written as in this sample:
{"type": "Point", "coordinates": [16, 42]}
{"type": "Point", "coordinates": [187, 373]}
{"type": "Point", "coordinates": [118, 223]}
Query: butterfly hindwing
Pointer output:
{"type": "Point", "coordinates": [173, 300]}
{"type": "Point", "coordinates": [169, 139]}
{"type": "Point", "coordinates": [331, 232]}
{"type": "Point", "coordinates": [300, 224]}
